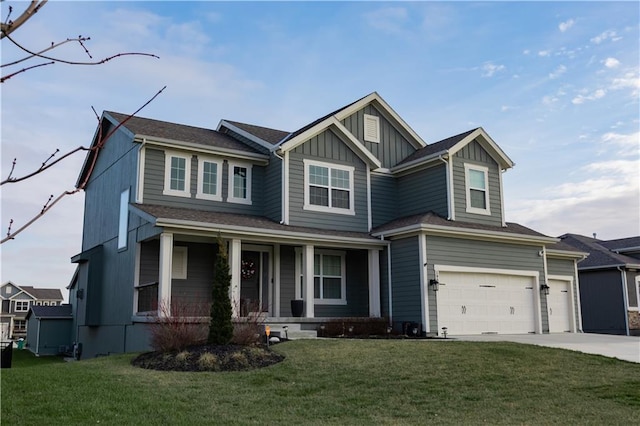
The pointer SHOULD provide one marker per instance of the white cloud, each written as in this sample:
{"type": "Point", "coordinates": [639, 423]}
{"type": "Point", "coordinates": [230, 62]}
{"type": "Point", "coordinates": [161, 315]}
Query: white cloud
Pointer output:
{"type": "Point", "coordinates": [611, 63]}
{"type": "Point", "coordinates": [596, 94]}
{"type": "Point", "coordinates": [526, 52]}
{"type": "Point", "coordinates": [564, 26]}
{"type": "Point", "coordinates": [558, 72]}
{"type": "Point", "coordinates": [544, 53]}
{"type": "Point", "coordinates": [629, 80]}
{"type": "Point", "coordinates": [550, 100]}
{"type": "Point", "coordinates": [489, 69]}
{"type": "Point", "coordinates": [606, 35]}
{"type": "Point", "coordinates": [628, 144]}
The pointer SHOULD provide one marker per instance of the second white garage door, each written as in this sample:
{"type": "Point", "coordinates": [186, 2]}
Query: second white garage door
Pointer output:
{"type": "Point", "coordinates": [477, 303]}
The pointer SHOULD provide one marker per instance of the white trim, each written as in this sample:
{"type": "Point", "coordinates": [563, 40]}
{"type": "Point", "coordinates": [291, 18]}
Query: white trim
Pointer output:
{"type": "Point", "coordinates": [328, 209]}
{"type": "Point", "coordinates": [230, 185]}
{"type": "Point", "coordinates": [123, 219]}
{"type": "Point", "coordinates": [502, 213]}
{"type": "Point", "coordinates": [168, 155]}
{"type": "Point", "coordinates": [491, 147]}
{"type": "Point", "coordinates": [179, 264]}
{"type": "Point", "coordinates": [298, 274]}
{"type": "Point", "coordinates": [141, 169]}
{"type": "Point", "coordinates": [568, 279]}
{"type": "Point", "coordinates": [637, 284]}
{"type": "Point", "coordinates": [450, 195]}
{"type": "Point", "coordinates": [285, 189]}
{"type": "Point", "coordinates": [244, 133]}
{"type": "Point", "coordinates": [235, 265]}
{"type": "Point", "coordinates": [15, 306]}
{"type": "Point", "coordinates": [534, 275]}
{"type": "Point", "coordinates": [307, 288]}
{"type": "Point", "coordinates": [343, 278]}
{"type": "Point", "coordinates": [424, 291]}
{"type": "Point", "coordinates": [371, 130]}
{"type": "Point", "coordinates": [260, 248]}
{"type": "Point", "coordinates": [485, 171]}
{"type": "Point", "coordinates": [276, 280]}
{"type": "Point", "coordinates": [575, 274]}
{"type": "Point", "coordinates": [164, 279]}
{"type": "Point", "coordinates": [374, 282]}
{"type": "Point", "coordinates": [219, 172]}
{"type": "Point", "coordinates": [369, 213]}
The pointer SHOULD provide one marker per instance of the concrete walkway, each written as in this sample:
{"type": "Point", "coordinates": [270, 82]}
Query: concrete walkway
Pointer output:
{"type": "Point", "coordinates": [626, 348]}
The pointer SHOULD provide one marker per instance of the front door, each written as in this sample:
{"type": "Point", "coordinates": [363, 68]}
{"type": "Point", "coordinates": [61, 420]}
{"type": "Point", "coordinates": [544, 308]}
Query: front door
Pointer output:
{"type": "Point", "coordinates": [254, 281]}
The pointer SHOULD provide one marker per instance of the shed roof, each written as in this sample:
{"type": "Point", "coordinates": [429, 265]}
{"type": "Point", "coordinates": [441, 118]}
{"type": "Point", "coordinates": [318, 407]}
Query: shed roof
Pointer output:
{"type": "Point", "coordinates": [52, 312]}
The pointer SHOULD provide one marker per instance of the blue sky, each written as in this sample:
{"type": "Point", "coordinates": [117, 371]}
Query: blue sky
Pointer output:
{"type": "Point", "coordinates": [555, 84]}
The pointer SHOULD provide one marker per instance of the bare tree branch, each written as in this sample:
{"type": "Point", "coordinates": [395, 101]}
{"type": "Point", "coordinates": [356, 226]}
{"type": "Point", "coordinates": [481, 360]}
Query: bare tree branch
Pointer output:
{"type": "Point", "coordinates": [44, 166]}
{"type": "Point", "coordinates": [96, 148]}
{"type": "Point", "coordinates": [53, 46]}
{"type": "Point", "coordinates": [7, 77]}
{"type": "Point", "coordinates": [8, 26]}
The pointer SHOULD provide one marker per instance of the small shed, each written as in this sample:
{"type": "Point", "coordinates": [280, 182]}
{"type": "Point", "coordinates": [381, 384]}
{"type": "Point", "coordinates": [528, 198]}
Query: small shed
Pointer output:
{"type": "Point", "coordinates": [49, 330]}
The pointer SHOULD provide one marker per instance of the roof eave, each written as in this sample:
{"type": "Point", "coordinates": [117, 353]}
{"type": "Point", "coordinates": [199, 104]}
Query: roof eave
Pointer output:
{"type": "Point", "coordinates": [498, 154]}
{"type": "Point", "coordinates": [241, 132]}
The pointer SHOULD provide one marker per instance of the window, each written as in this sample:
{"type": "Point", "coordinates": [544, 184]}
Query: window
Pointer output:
{"type": "Point", "coordinates": [179, 263]}
{"type": "Point", "coordinates": [477, 189]}
{"type": "Point", "coordinates": [328, 187]}
{"type": "Point", "coordinates": [209, 181]}
{"type": "Point", "coordinates": [20, 325]}
{"type": "Point", "coordinates": [371, 128]}
{"type": "Point", "coordinates": [329, 281]}
{"type": "Point", "coordinates": [22, 306]}
{"type": "Point", "coordinates": [123, 224]}
{"type": "Point", "coordinates": [239, 183]}
{"type": "Point", "coordinates": [177, 174]}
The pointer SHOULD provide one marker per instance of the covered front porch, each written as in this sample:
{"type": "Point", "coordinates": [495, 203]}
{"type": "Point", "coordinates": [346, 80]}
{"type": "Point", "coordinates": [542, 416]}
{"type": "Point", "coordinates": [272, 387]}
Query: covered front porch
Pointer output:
{"type": "Point", "coordinates": [331, 277]}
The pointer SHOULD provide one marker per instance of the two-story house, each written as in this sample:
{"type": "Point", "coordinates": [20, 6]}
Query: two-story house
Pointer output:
{"type": "Point", "coordinates": [16, 302]}
{"type": "Point", "coordinates": [353, 214]}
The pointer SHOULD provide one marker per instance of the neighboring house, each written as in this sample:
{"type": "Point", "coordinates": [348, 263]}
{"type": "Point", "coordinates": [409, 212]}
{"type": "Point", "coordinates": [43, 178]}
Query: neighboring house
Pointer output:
{"type": "Point", "coordinates": [49, 330]}
{"type": "Point", "coordinates": [16, 302]}
{"type": "Point", "coordinates": [354, 214]}
{"type": "Point", "coordinates": [609, 284]}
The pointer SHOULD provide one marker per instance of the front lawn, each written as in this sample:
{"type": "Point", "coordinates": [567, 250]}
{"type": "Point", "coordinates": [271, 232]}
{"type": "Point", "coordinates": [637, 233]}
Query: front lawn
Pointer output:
{"type": "Point", "coordinates": [338, 382]}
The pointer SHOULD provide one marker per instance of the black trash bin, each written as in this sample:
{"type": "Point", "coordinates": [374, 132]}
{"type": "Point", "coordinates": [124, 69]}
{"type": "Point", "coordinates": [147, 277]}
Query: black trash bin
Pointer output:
{"type": "Point", "coordinates": [7, 354]}
{"type": "Point", "coordinates": [297, 307]}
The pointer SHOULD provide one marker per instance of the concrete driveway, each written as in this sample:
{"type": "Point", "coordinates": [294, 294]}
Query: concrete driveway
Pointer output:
{"type": "Point", "coordinates": [626, 348]}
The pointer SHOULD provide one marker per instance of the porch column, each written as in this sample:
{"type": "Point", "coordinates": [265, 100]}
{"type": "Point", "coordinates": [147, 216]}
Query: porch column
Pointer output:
{"type": "Point", "coordinates": [235, 254]}
{"type": "Point", "coordinates": [307, 273]}
{"type": "Point", "coordinates": [276, 280]}
{"type": "Point", "coordinates": [374, 283]}
{"type": "Point", "coordinates": [164, 280]}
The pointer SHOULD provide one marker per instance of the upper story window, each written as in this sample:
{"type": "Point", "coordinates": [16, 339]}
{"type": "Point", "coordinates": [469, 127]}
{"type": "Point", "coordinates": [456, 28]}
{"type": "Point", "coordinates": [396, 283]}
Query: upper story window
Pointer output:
{"type": "Point", "coordinates": [123, 221]}
{"type": "Point", "coordinates": [22, 305]}
{"type": "Point", "coordinates": [328, 187]}
{"type": "Point", "coordinates": [371, 128]}
{"type": "Point", "coordinates": [209, 179]}
{"type": "Point", "coordinates": [239, 183]}
{"type": "Point", "coordinates": [177, 174]}
{"type": "Point", "coordinates": [477, 187]}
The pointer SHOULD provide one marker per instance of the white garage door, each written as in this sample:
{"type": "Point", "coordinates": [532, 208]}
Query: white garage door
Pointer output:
{"type": "Point", "coordinates": [477, 303]}
{"type": "Point", "coordinates": [559, 301]}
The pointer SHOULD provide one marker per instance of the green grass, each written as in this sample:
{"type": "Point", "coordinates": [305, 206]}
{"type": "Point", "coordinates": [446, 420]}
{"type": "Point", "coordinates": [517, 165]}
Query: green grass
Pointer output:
{"type": "Point", "coordinates": [337, 382]}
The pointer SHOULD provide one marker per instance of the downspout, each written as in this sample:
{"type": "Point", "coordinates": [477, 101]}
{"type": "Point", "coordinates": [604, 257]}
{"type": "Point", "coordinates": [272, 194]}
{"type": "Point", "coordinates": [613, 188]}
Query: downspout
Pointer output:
{"type": "Point", "coordinates": [448, 182]}
{"type": "Point", "coordinates": [140, 174]}
{"type": "Point", "coordinates": [502, 212]}
{"type": "Point", "coordinates": [579, 303]}
{"type": "Point", "coordinates": [546, 282]}
{"type": "Point", "coordinates": [625, 298]}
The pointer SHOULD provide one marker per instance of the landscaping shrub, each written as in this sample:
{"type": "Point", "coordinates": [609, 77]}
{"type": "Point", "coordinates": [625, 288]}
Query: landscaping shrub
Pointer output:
{"type": "Point", "coordinates": [221, 327]}
{"type": "Point", "coordinates": [353, 327]}
{"type": "Point", "coordinates": [178, 327]}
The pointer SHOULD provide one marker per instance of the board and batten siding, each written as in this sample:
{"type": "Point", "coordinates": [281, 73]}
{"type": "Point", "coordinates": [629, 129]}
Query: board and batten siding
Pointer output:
{"type": "Point", "coordinates": [327, 147]}
{"type": "Point", "coordinates": [154, 186]}
{"type": "Point", "coordinates": [474, 154]}
{"type": "Point", "coordinates": [422, 191]}
{"type": "Point", "coordinates": [566, 267]}
{"type": "Point", "coordinates": [405, 267]}
{"type": "Point", "coordinates": [384, 198]}
{"type": "Point", "coordinates": [603, 308]}
{"type": "Point", "coordinates": [392, 148]}
{"type": "Point", "coordinates": [273, 189]}
{"type": "Point", "coordinates": [287, 279]}
{"type": "Point", "coordinates": [482, 254]}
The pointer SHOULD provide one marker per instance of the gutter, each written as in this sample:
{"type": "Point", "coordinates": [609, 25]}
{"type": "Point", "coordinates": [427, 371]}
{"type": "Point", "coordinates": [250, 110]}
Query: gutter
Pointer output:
{"type": "Point", "coordinates": [625, 298]}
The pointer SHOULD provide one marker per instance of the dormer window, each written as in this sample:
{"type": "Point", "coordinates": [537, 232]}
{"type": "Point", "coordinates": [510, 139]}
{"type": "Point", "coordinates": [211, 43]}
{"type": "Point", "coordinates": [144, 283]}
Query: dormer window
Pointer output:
{"type": "Point", "coordinates": [371, 128]}
{"type": "Point", "coordinates": [477, 187]}
{"type": "Point", "coordinates": [177, 174]}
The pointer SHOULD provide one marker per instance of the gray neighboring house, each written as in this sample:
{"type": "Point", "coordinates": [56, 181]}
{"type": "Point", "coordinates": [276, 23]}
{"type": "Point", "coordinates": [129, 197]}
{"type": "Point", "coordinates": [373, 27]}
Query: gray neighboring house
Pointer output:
{"type": "Point", "coordinates": [16, 302]}
{"type": "Point", "coordinates": [353, 215]}
{"type": "Point", "coordinates": [49, 330]}
{"type": "Point", "coordinates": [609, 284]}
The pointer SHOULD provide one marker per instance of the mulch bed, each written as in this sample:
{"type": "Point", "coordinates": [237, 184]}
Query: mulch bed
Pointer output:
{"type": "Point", "coordinates": [210, 358]}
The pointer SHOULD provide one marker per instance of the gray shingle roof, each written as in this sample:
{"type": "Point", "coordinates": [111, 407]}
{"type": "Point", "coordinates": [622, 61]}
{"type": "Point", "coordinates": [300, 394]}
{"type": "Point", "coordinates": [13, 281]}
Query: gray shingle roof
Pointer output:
{"type": "Point", "coordinates": [622, 243]}
{"type": "Point", "coordinates": [439, 146]}
{"type": "Point", "coordinates": [180, 132]}
{"type": "Point", "coordinates": [43, 293]}
{"type": "Point", "coordinates": [272, 136]}
{"type": "Point", "coordinates": [61, 311]}
{"type": "Point", "coordinates": [250, 222]}
{"type": "Point", "coordinates": [599, 255]}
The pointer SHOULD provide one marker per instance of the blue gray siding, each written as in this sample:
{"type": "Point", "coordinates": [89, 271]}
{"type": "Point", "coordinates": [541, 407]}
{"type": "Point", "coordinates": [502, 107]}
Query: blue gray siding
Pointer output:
{"type": "Point", "coordinates": [287, 279]}
{"type": "Point", "coordinates": [481, 254]}
{"type": "Point", "coordinates": [384, 199]}
{"type": "Point", "coordinates": [154, 186]}
{"type": "Point", "coordinates": [273, 189]}
{"type": "Point", "coordinates": [405, 266]}
{"type": "Point", "coordinates": [329, 148]}
{"type": "Point", "coordinates": [393, 147]}
{"type": "Point", "coordinates": [422, 191]}
{"type": "Point", "coordinates": [474, 154]}
{"type": "Point", "coordinates": [603, 309]}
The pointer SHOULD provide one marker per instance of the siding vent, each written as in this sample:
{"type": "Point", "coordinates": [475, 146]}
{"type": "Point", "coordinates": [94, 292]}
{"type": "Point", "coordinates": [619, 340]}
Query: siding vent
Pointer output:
{"type": "Point", "coordinates": [371, 128]}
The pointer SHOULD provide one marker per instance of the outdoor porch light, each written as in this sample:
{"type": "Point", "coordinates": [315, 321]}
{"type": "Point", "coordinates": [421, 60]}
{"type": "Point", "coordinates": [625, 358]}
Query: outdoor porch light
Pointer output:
{"type": "Point", "coordinates": [435, 285]}
{"type": "Point", "coordinates": [544, 289]}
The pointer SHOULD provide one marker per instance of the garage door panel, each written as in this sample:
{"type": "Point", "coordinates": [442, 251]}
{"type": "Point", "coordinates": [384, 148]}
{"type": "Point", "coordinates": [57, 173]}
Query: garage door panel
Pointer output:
{"type": "Point", "coordinates": [471, 303]}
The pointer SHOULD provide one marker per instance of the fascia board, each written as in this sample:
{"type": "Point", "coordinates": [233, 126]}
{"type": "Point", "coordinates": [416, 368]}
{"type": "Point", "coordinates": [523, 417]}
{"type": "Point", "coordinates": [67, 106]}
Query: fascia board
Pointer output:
{"type": "Point", "coordinates": [503, 159]}
{"type": "Point", "coordinates": [306, 135]}
{"type": "Point", "coordinates": [419, 162]}
{"type": "Point", "coordinates": [611, 266]}
{"type": "Point", "coordinates": [360, 149]}
{"type": "Point", "coordinates": [389, 112]}
{"type": "Point", "coordinates": [271, 234]}
{"type": "Point", "coordinates": [467, 233]}
{"type": "Point", "coordinates": [189, 146]}
{"type": "Point", "coordinates": [244, 133]}
{"type": "Point", "coordinates": [567, 254]}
